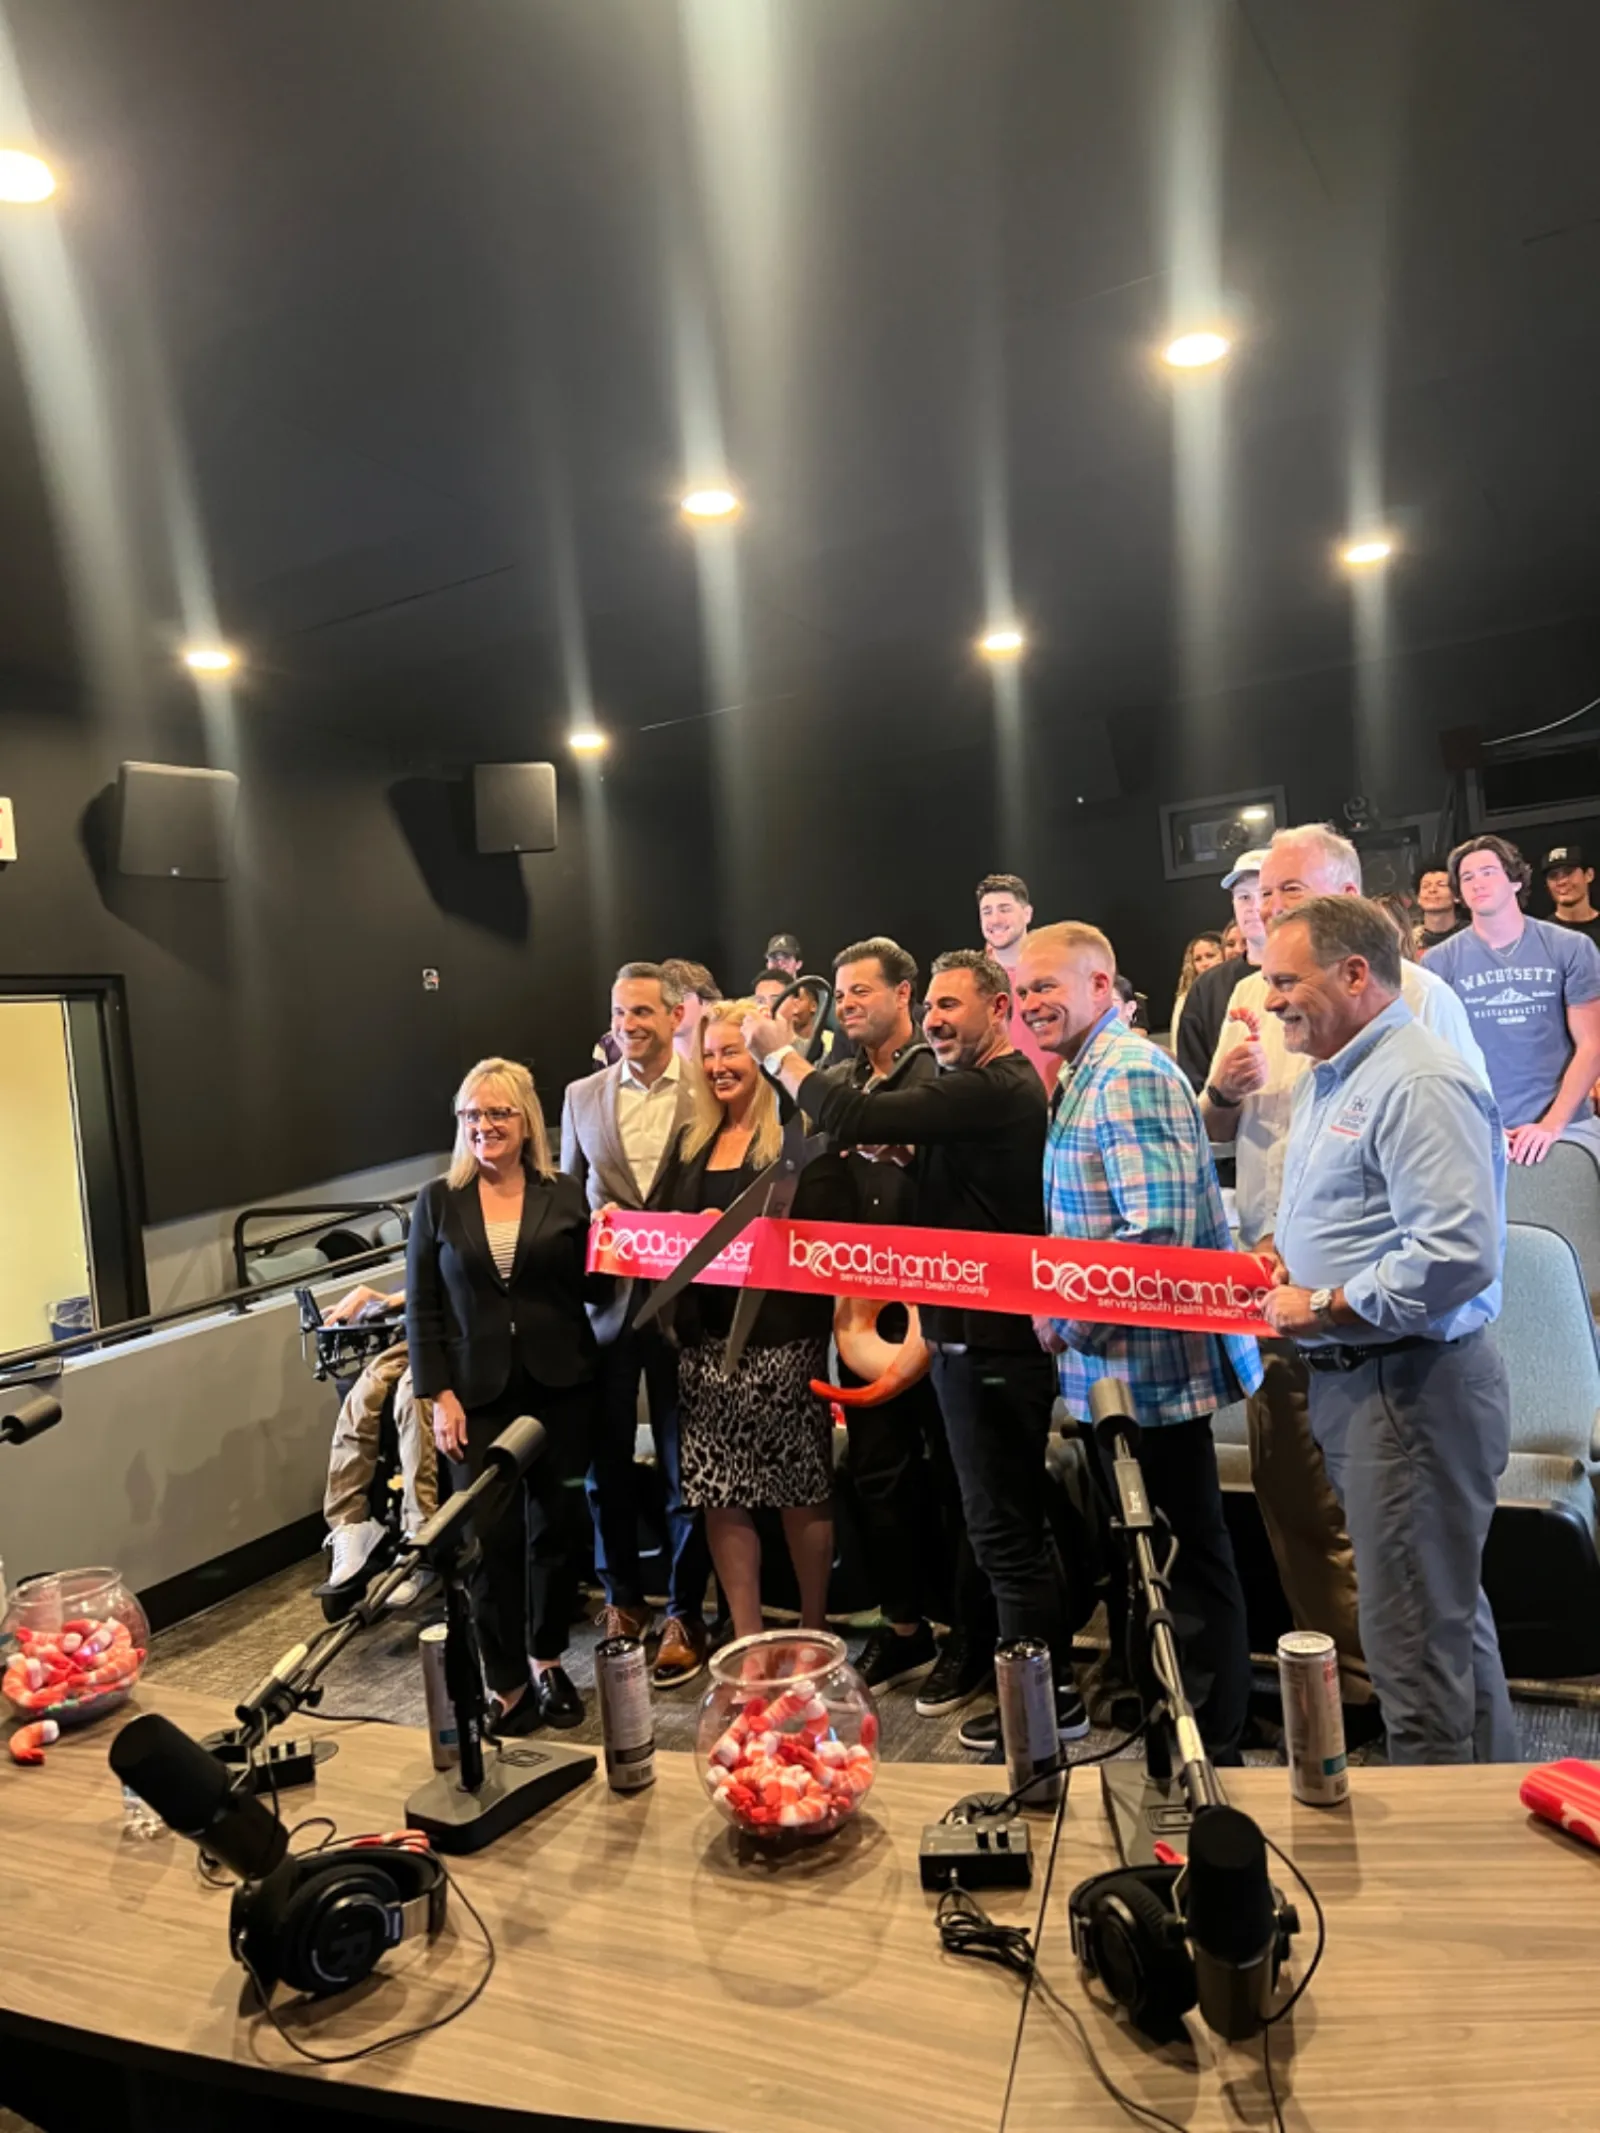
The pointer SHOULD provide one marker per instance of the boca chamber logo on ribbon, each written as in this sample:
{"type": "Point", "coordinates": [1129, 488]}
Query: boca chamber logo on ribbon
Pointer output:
{"type": "Point", "coordinates": [1177, 1287]}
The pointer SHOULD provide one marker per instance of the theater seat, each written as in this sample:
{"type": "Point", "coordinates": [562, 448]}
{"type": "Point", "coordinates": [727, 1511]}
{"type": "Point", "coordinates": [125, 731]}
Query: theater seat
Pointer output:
{"type": "Point", "coordinates": [1562, 1193]}
{"type": "Point", "coordinates": [1541, 1566]}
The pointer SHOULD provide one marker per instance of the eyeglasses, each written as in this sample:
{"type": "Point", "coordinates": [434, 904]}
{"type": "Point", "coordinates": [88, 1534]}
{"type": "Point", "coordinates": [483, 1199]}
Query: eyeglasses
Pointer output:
{"type": "Point", "coordinates": [495, 1115]}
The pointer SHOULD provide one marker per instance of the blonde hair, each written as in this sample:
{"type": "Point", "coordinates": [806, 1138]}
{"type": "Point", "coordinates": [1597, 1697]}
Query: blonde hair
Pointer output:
{"type": "Point", "coordinates": [1072, 937]}
{"type": "Point", "coordinates": [709, 1116]}
{"type": "Point", "coordinates": [513, 1085]}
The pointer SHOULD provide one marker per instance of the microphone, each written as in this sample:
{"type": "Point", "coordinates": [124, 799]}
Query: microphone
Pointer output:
{"type": "Point", "coordinates": [1111, 1409]}
{"type": "Point", "coordinates": [31, 1419]}
{"type": "Point", "coordinates": [506, 1460]}
{"type": "Point", "coordinates": [1232, 1921]}
{"type": "Point", "coordinates": [193, 1794]}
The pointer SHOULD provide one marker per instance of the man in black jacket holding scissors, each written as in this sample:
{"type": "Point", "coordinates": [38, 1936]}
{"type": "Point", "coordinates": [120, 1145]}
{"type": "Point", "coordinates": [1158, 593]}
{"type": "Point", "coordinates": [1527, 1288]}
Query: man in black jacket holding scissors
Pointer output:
{"type": "Point", "coordinates": [977, 1129]}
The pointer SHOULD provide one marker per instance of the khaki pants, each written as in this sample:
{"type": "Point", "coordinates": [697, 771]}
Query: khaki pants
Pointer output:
{"type": "Point", "coordinates": [1304, 1521]}
{"type": "Point", "coordinates": [353, 1458]}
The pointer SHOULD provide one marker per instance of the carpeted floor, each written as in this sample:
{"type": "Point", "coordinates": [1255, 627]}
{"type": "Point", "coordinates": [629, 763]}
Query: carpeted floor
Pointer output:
{"type": "Point", "coordinates": [226, 1650]}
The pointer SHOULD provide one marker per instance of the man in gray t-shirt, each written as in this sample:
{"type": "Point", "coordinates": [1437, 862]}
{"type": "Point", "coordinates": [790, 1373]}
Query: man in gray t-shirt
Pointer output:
{"type": "Point", "coordinates": [1532, 993]}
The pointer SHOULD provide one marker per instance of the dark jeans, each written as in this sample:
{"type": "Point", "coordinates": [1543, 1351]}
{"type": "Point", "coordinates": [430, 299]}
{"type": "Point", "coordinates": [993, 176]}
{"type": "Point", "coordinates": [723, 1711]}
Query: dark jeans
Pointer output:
{"type": "Point", "coordinates": [996, 1407]}
{"type": "Point", "coordinates": [612, 1484]}
{"type": "Point", "coordinates": [526, 1582]}
{"type": "Point", "coordinates": [1179, 1463]}
{"type": "Point", "coordinates": [913, 1527]}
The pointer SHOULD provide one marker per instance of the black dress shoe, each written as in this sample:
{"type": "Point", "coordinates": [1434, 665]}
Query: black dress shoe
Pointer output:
{"type": "Point", "coordinates": [526, 1715]}
{"type": "Point", "coordinates": [559, 1702]}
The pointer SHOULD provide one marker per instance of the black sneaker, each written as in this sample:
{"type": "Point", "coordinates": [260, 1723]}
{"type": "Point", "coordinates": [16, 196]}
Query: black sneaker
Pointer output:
{"type": "Point", "coordinates": [961, 1674]}
{"type": "Point", "coordinates": [887, 1658]}
{"type": "Point", "coordinates": [981, 1732]}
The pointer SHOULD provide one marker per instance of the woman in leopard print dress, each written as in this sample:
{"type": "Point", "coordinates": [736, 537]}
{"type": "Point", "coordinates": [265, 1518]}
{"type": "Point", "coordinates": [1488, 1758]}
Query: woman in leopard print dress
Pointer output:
{"type": "Point", "coordinates": [761, 1437]}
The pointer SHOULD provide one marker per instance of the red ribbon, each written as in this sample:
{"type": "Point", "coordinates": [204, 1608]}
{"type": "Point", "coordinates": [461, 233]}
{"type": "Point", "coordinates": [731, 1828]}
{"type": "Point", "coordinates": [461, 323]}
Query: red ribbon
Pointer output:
{"type": "Point", "coordinates": [1175, 1286]}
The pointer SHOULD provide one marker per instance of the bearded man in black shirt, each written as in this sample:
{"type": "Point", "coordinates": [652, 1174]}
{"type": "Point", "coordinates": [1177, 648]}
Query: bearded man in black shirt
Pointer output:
{"type": "Point", "coordinates": [976, 1134]}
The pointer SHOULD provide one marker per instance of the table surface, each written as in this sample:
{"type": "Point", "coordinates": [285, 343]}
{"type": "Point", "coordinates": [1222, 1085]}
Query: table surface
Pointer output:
{"type": "Point", "coordinates": [1457, 1990]}
{"type": "Point", "coordinates": [645, 1977]}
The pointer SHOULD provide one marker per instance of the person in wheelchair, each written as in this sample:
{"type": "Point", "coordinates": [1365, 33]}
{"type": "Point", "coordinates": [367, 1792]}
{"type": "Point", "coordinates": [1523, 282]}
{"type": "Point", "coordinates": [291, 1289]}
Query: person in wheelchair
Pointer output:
{"type": "Point", "coordinates": [380, 1403]}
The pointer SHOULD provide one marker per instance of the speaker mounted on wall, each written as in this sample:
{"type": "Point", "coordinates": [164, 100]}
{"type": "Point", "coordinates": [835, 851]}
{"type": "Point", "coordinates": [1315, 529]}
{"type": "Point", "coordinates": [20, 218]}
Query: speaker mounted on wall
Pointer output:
{"type": "Point", "coordinates": [174, 821]}
{"type": "Point", "coordinates": [514, 806]}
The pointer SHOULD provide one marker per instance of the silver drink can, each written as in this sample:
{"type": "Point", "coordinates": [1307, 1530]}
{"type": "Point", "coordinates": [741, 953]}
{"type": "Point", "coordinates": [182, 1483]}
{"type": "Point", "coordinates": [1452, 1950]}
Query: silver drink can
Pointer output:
{"type": "Point", "coordinates": [1027, 1696]}
{"type": "Point", "coordinates": [1313, 1718]}
{"type": "Point", "coordinates": [443, 1740]}
{"type": "Point", "coordinates": [627, 1723]}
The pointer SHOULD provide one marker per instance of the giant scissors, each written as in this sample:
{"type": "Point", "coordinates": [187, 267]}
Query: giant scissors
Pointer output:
{"type": "Point", "coordinates": [771, 1193]}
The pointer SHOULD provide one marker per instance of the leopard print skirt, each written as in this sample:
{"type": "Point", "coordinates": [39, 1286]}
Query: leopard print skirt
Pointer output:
{"type": "Point", "coordinates": [761, 1438]}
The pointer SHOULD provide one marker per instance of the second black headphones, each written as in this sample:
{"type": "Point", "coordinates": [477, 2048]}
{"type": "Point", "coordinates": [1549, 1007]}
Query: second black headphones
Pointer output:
{"type": "Point", "coordinates": [321, 1922]}
{"type": "Point", "coordinates": [1127, 1931]}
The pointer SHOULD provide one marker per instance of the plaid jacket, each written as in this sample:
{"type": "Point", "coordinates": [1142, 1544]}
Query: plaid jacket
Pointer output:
{"type": "Point", "coordinates": [1126, 1161]}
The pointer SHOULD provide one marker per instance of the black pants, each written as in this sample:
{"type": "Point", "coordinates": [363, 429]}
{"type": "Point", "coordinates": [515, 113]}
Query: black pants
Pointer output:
{"type": "Point", "coordinates": [613, 1489]}
{"type": "Point", "coordinates": [1179, 1463]}
{"type": "Point", "coordinates": [527, 1579]}
{"type": "Point", "coordinates": [996, 1407]}
{"type": "Point", "coordinates": [913, 1526]}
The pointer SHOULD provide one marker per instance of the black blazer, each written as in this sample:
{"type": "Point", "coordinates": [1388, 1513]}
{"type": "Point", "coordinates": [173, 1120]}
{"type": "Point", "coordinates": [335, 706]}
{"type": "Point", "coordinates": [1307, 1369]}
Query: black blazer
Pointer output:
{"type": "Point", "coordinates": [465, 1327]}
{"type": "Point", "coordinates": [825, 1194]}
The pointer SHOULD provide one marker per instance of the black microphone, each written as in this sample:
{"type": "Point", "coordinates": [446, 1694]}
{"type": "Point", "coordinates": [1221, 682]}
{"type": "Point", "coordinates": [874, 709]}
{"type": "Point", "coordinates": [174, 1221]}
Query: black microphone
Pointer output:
{"type": "Point", "coordinates": [1232, 1920]}
{"type": "Point", "coordinates": [31, 1419]}
{"type": "Point", "coordinates": [506, 1460]}
{"type": "Point", "coordinates": [1111, 1409]}
{"type": "Point", "coordinates": [193, 1793]}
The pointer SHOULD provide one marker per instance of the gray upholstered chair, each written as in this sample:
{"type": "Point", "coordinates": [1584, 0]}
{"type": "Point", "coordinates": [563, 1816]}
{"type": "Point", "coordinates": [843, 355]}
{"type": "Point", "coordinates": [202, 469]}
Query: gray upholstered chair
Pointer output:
{"type": "Point", "coordinates": [1562, 1193]}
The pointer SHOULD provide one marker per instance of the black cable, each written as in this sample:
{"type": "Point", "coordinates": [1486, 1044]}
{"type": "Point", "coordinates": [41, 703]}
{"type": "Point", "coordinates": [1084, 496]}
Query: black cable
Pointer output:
{"type": "Point", "coordinates": [1322, 1930]}
{"type": "Point", "coordinates": [994, 1805]}
{"type": "Point", "coordinates": [403, 2036]}
{"type": "Point", "coordinates": [1272, 2086]}
{"type": "Point", "coordinates": [966, 1929]}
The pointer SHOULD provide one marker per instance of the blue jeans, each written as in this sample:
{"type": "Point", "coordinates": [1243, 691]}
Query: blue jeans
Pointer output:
{"type": "Point", "coordinates": [613, 1486]}
{"type": "Point", "coordinates": [1414, 1444]}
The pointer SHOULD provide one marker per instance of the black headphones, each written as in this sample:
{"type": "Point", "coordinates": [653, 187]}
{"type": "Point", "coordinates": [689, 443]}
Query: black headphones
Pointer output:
{"type": "Point", "coordinates": [1127, 1931]}
{"type": "Point", "coordinates": [321, 1922]}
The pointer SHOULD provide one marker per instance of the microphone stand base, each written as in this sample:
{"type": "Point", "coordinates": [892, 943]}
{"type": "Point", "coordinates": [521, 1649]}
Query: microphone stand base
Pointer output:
{"type": "Point", "coordinates": [1142, 1809]}
{"type": "Point", "coordinates": [523, 1779]}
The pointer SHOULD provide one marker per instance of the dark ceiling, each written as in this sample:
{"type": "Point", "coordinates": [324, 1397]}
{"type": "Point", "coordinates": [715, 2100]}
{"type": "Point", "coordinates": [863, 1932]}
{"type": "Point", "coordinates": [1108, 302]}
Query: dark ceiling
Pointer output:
{"type": "Point", "coordinates": [409, 306]}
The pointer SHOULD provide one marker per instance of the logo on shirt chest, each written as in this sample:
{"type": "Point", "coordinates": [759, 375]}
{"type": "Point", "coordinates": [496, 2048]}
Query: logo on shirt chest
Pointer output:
{"type": "Point", "coordinates": [1350, 1122]}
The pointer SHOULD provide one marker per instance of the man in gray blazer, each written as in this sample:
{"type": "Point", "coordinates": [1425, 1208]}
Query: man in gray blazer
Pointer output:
{"type": "Point", "coordinates": [616, 1129]}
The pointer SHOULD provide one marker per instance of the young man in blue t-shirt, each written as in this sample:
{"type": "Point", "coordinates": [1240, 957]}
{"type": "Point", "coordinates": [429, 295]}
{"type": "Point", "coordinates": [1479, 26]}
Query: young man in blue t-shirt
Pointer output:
{"type": "Point", "coordinates": [1532, 992]}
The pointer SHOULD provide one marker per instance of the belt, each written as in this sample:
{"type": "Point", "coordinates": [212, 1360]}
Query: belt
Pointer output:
{"type": "Point", "coordinates": [946, 1347]}
{"type": "Point", "coordinates": [1343, 1358]}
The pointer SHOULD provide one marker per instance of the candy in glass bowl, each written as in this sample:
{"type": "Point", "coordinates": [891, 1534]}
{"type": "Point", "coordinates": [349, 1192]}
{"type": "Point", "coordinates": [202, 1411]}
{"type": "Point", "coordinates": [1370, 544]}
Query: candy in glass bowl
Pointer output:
{"type": "Point", "coordinates": [787, 1746]}
{"type": "Point", "coordinates": [72, 1645]}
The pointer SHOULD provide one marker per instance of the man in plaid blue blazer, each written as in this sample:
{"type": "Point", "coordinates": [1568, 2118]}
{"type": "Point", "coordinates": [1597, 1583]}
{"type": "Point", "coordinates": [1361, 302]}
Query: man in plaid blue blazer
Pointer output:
{"type": "Point", "coordinates": [1127, 1161]}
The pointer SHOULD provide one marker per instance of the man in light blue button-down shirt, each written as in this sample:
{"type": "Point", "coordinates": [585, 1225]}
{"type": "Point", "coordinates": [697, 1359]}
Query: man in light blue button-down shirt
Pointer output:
{"type": "Point", "coordinates": [1391, 1234]}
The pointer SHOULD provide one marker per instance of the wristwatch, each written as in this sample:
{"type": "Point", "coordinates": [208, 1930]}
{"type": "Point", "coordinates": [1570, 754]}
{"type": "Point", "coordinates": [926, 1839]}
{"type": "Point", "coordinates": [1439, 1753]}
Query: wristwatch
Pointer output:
{"type": "Point", "coordinates": [1223, 1103]}
{"type": "Point", "coordinates": [1322, 1310]}
{"type": "Point", "coordinates": [773, 1063]}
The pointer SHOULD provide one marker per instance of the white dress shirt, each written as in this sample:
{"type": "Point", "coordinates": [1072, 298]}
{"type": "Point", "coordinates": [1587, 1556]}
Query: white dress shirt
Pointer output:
{"type": "Point", "coordinates": [1264, 1115]}
{"type": "Point", "coordinates": [645, 1111]}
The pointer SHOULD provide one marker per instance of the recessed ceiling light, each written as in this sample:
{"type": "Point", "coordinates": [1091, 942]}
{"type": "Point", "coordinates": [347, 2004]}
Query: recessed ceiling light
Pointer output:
{"type": "Point", "coordinates": [1002, 643]}
{"type": "Point", "coordinates": [710, 503]}
{"type": "Point", "coordinates": [1361, 555]}
{"type": "Point", "coordinates": [587, 740]}
{"type": "Point", "coordinates": [24, 180]}
{"type": "Point", "coordinates": [208, 659]}
{"type": "Point", "coordinates": [1193, 351]}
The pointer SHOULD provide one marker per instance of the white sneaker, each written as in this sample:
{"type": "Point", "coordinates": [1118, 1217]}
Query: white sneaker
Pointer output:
{"type": "Point", "coordinates": [419, 1584]}
{"type": "Point", "coordinates": [351, 1546]}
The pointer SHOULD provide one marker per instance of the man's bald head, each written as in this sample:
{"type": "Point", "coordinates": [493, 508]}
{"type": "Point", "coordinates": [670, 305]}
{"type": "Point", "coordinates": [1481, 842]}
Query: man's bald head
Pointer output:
{"type": "Point", "coordinates": [1065, 984]}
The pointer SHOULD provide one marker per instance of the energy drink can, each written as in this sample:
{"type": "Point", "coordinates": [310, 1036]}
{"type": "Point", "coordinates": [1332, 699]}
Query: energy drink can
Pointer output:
{"type": "Point", "coordinates": [627, 1723]}
{"type": "Point", "coordinates": [443, 1740]}
{"type": "Point", "coordinates": [1027, 1696]}
{"type": "Point", "coordinates": [1313, 1718]}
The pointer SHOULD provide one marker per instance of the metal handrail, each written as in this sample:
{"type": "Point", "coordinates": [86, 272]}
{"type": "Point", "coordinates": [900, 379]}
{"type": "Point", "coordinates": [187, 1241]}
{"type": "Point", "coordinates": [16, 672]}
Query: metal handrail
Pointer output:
{"type": "Point", "coordinates": [238, 1301]}
{"type": "Point", "coordinates": [399, 1207]}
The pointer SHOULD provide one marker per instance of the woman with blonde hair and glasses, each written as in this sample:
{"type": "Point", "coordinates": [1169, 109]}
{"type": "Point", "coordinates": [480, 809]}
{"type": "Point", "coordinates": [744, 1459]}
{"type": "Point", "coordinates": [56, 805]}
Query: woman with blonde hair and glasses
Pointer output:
{"type": "Point", "coordinates": [495, 1323]}
{"type": "Point", "coordinates": [760, 1438]}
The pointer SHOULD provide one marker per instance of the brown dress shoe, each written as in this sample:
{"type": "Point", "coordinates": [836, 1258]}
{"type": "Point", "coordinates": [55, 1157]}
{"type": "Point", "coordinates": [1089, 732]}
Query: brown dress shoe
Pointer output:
{"type": "Point", "coordinates": [681, 1653]}
{"type": "Point", "coordinates": [623, 1622]}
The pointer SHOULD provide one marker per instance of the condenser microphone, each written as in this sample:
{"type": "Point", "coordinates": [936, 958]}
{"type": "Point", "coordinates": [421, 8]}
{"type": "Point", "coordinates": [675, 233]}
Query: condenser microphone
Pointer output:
{"type": "Point", "coordinates": [1232, 1921]}
{"type": "Point", "coordinates": [517, 1446]}
{"type": "Point", "coordinates": [473, 1509]}
{"type": "Point", "coordinates": [30, 1420]}
{"type": "Point", "coordinates": [193, 1793]}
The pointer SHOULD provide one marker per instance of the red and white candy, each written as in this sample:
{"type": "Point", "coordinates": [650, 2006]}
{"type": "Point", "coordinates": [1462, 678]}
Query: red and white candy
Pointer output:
{"type": "Point", "coordinates": [779, 1765]}
{"type": "Point", "coordinates": [28, 1743]}
{"type": "Point", "coordinates": [77, 1670]}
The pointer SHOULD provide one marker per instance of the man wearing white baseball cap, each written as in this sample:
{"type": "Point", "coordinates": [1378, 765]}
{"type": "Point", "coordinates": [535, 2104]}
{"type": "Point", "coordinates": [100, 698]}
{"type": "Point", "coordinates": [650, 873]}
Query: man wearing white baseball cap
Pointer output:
{"type": "Point", "coordinates": [1206, 1006]}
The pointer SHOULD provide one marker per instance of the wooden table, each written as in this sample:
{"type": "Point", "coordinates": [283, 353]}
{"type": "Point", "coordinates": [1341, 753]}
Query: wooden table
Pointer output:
{"type": "Point", "coordinates": [646, 1978]}
{"type": "Point", "coordinates": [1457, 1991]}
